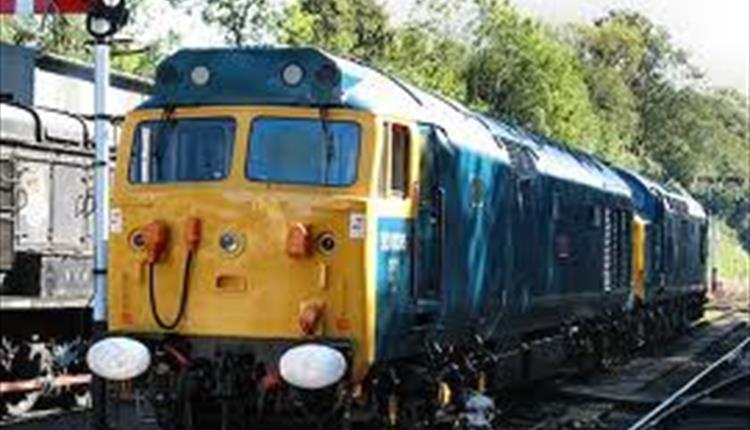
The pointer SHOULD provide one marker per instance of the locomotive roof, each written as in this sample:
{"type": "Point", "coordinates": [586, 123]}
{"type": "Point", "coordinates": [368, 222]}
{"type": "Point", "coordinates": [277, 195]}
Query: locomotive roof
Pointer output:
{"type": "Point", "coordinates": [688, 203]}
{"type": "Point", "coordinates": [646, 193]}
{"type": "Point", "coordinates": [35, 125]}
{"type": "Point", "coordinates": [254, 76]}
{"type": "Point", "coordinates": [558, 160]}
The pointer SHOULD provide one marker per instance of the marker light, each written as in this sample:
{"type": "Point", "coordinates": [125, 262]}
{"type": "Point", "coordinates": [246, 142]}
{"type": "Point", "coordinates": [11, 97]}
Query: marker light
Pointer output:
{"type": "Point", "coordinates": [326, 243]}
{"type": "Point", "coordinates": [292, 74]}
{"type": "Point", "coordinates": [327, 75]}
{"type": "Point", "coordinates": [200, 75]}
{"type": "Point", "coordinates": [312, 366]}
{"type": "Point", "coordinates": [231, 242]}
{"type": "Point", "coordinates": [137, 240]}
{"type": "Point", "coordinates": [118, 358]}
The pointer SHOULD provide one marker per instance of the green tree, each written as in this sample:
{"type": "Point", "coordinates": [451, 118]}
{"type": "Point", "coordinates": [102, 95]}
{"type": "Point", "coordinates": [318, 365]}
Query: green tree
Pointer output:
{"type": "Point", "coordinates": [59, 34]}
{"type": "Point", "coordinates": [430, 61]}
{"type": "Point", "coordinates": [519, 70]}
{"type": "Point", "coordinates": [243, 21]}
{"type": "Point", "coordinates": [357, 28]}
{"type": "Point", "coordinates": [611, 54]}
{"type": "Point", "coordinates": [66, 35]}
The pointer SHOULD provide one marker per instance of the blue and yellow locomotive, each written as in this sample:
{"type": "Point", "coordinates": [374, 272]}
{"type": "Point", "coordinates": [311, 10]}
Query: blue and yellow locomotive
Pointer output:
{"type": "Point", "coordinates": [294, 234]}
{"type": "Point", "coordinates": [670, 254]}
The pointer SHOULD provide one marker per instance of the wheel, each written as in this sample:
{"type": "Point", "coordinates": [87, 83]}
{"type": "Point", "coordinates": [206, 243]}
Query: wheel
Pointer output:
{"type": "Point", "coordinates": [21, 404]}
{"type": "Point", "coordinates": [78, 398]}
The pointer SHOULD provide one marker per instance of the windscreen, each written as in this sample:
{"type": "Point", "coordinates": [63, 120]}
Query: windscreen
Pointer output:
{"type": "Point", "coordinates": [303, 151]}
{"type": "Point", "coordinates": [177, 150]}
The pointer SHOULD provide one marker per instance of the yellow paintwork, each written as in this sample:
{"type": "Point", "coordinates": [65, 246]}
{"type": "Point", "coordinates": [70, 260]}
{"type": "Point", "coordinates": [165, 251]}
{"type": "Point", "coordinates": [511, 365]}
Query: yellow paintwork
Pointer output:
{"type": "Point", "coordinates": [639, 258]}
{"type": "Point", "coordinates": [258, 293]}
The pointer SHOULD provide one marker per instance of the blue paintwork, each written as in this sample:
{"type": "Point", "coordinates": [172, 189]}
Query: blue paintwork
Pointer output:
{"type": "Point", "coordinates": [675, 235]}
{"type": "Point", "coordinates": [394, 283]}
{"type": "Point", "coordinates": [646, 194]}
{"type": "Point", "coordinates": [253, 76]}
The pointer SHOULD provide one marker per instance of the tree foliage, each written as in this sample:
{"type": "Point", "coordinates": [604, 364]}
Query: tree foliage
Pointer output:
{"type": "Point", "coordinates": [243, 22]}
{"type": "Point", "coordinates": [59, 34]}
{"type": "Point", "coordinates": [520, 71]}
{"type": "Point", "coordinates": [356, 28]}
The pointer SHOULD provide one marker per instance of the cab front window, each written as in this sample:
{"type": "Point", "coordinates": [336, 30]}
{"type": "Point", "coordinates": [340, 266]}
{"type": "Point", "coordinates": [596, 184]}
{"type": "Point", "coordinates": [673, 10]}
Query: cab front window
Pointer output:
{"type": "Point", "coordinates": [303, 151]}
{"type": "Point", "coordinates": [182, 150]}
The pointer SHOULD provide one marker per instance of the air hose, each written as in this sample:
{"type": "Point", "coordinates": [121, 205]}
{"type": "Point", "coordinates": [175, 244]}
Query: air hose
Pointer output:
{"type": "Point", "coordinates": [183, 295]}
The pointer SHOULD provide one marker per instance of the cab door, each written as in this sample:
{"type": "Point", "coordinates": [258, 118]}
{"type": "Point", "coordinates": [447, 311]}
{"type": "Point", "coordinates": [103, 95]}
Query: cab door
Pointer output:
{"type": "Point", "coordinates": [526, 283]}
{"type": "Point", "coordinates": [429, 229]}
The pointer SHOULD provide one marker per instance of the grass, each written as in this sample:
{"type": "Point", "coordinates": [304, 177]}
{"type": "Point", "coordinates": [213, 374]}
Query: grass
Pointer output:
{"type": "Point", "coordinates": [733, 260]}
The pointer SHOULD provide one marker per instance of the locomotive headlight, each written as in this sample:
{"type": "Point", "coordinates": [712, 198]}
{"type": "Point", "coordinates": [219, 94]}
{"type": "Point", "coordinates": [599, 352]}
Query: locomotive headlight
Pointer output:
{"type": "Point", "coordinates": [231, 243]}
{"type": "Point", "coordinates": [118, 358]}
{"type": "Point", "coordinates": [312, 366]}
{"type": "Point", "coordinates": [292, 74]}
{"type": "Point", "coordinates": [137, 240]}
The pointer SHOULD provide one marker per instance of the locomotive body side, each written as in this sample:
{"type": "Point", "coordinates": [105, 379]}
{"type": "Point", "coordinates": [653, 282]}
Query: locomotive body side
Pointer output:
{"type": "Point", "coordinates": [675, 237]}
{"type": "Point", "coordinates": [571, 233]}
{"type": "Point", "coordinates": [672, 245]}
{"type": "Point", "coordinates": [442, 263]}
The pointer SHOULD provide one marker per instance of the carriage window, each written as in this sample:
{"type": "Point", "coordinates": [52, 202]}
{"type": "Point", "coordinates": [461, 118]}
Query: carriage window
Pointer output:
{"type": "Point", "coordinates": [303, 151]}
{"type": "Point", "coordinates": [395, 162]}
{"type": "Point", "coordinates": [400, 160]}
{"type": "Point", "coordinates": [179, 150]}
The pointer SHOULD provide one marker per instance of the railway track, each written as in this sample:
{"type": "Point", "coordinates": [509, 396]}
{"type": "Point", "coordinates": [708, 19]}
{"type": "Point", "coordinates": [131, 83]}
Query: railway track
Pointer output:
{"type": "Point", "coordinates": [653, 391]}
{"type": "Point", "coordinates": [618, 397]}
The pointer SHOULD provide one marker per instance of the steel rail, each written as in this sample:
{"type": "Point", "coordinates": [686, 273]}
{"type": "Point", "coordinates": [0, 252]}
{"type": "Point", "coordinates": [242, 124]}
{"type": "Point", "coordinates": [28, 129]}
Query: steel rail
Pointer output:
{"type": "Point", "coordinates": [648, 418]}
{"type": "Point", "coordinates": [696, 397]}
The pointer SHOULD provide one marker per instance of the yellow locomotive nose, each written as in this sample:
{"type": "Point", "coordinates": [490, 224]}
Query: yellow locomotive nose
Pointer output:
{"type": "Point", "coordinates": [209, 243]}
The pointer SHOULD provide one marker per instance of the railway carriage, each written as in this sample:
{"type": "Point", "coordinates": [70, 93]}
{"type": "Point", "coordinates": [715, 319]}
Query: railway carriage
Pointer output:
{"type": "Point", "coordinates": [45, 276]}
{"type": "Point", "coordinates": [295, 234]}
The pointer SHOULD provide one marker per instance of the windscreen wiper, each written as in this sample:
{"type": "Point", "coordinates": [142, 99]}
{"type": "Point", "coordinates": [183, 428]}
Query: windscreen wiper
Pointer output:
{"type": "Point", "coordinates": [329, 148]}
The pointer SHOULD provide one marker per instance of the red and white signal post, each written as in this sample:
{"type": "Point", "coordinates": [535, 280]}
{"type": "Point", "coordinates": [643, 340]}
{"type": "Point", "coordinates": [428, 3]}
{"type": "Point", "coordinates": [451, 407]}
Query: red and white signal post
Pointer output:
{"type": "Point", "coordinates": [104, 18]}
{"type": "Point", "coordinates": [30, 7]}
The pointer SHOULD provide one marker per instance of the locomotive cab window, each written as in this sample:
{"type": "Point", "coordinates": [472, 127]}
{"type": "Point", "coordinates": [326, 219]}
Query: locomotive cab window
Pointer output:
{"type": "Point", "coordinates": [395, 162]}
{"type": "Point", "coordinates": [303, 151]}
{"type": "Point", "coordinates": [177, 150]}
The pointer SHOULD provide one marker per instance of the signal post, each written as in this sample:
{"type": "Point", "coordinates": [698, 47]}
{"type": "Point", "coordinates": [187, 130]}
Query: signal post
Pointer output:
{"type": "Point", "coordinates": [104, 18]}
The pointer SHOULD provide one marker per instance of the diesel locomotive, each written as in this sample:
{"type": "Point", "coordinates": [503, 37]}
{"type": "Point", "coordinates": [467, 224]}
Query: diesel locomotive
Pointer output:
{"type": "Point", "coordinates": [298, 236]}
